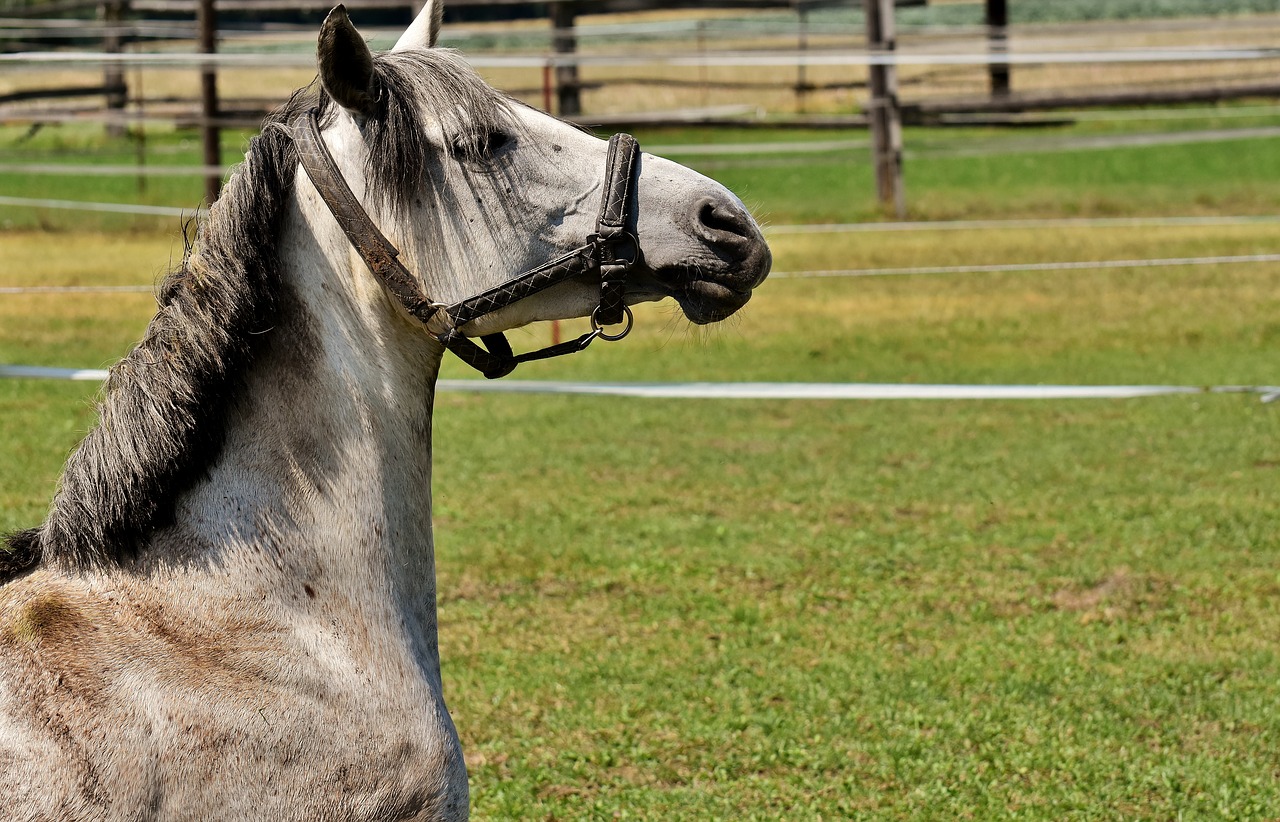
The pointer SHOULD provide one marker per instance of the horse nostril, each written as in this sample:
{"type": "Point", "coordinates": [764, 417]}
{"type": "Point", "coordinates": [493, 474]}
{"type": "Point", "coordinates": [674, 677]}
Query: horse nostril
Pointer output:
{"type": "Point", "coordinates": [720, 223]}
{"type": "Point", "coordinates": [732, 236]}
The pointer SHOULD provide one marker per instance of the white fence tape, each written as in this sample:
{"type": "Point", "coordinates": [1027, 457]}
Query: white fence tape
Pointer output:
{"type": "Point", "coordinates": [77, 289]}
{"type": "Point", "coordinates": [1021, 224]}
{"type": "Point", "coordinates": [114, 208]}
{"type": "Point", "coordinates": [767, 390]}
{"type": "Point", "coordinates": [1000, 268]}
{"type": "Point", "coordinates": [109, 170]}
{"type": "Point", "coordinates": [840, 391]}
{"type": "Point", "coordinates": [38, 373]}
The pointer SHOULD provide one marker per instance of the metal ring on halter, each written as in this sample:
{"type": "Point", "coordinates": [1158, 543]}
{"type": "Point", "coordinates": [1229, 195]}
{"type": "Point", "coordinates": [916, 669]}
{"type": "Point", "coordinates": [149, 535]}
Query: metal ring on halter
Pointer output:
{"type": "Point", "coordinates": [628, 318]}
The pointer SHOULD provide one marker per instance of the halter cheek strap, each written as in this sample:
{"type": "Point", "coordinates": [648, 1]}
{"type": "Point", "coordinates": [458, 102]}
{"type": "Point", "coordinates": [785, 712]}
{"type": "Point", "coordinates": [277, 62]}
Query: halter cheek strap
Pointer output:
{"type": "Point", "coordinates": [611, 251]}
{"type": "Point", "coordinates": [619, 247]}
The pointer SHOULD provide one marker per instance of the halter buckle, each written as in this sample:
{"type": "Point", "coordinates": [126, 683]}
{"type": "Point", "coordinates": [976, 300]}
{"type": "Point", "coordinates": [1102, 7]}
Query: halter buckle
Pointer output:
{"type": "Point", "coordinates": [616, 248]}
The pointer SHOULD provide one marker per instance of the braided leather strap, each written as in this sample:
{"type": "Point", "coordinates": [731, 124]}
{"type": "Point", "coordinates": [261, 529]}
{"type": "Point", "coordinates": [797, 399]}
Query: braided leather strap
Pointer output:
{"type": "Point", "coordinates": [526, 285]}
{"type": "Point", "coordinates": [496, 362]}
{"type": "Point", "coordinates": [613, 227]}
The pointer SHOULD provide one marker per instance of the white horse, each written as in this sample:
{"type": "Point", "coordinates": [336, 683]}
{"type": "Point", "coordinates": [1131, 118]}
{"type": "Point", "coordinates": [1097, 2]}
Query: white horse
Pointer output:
{"type": "Point", "coordinates": [230, 611]}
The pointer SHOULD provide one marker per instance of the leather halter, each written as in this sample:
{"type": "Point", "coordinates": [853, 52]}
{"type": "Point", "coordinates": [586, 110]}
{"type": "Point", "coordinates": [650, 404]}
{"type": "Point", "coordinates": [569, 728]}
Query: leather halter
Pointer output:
{"type": "Point", "coordinates": [611, 251]}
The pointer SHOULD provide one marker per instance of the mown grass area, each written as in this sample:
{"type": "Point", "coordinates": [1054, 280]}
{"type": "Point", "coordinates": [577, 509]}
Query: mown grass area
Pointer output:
{"type": "Point", "coordinates": [661, 609]}
{"type": "Point", "coordinates": [772, 610]}
{"type": "Point", "coordinates": [830, 610]}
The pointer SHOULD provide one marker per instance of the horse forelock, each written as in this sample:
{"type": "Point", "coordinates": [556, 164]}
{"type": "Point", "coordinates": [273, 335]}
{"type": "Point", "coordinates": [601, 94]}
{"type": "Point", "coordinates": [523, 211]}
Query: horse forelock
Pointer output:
{"type": "Point", "coordinates": [427, 86]}
{"type": "Point", "coordinates": [162, 413]}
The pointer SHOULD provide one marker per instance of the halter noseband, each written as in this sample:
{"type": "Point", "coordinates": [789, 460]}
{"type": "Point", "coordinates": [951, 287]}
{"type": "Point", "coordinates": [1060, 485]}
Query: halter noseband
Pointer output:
{"type": "Point", "coordinates": [612, 250]}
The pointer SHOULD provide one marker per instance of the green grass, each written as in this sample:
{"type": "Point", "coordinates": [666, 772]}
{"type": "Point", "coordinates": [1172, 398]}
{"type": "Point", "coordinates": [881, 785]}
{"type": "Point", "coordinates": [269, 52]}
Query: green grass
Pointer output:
{"type": "Point", "coordinates": [815, 609]}
{"type": "Point", "coordinates": [658, 609]}
{"type": "Point", "coordinates": [1024, 175]}
{"type": "Point", "coordinates": [1227, 177]}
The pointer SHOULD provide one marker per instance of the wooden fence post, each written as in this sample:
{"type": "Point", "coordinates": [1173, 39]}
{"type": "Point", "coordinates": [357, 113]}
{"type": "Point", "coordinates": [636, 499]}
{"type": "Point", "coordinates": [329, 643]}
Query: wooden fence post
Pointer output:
{"type": "Point", "coordinates": [210, 138]}
{"type": "Point", "coordinates": [113, 83]}
{"type": "Point", "coordinates": [564, 41]}
{"type": "Point", "coordinates": [885, 110]}
{"type": "Point", "coordinates": [802, 44]}
{"type": "Point", "coordinates": [998, 45]}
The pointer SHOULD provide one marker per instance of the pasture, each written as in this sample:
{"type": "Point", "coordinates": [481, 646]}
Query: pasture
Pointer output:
{"type": "Point", "coordinates": [666, 609]}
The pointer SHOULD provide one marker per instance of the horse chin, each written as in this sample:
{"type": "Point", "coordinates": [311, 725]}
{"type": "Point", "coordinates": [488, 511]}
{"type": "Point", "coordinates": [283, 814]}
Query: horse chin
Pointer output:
{"type": "Point", "coordinates": [711, 284]}
{"type": "Point", "coordinates": [704, 302]}
{"type": "Point", "coordinates": [709, 292]}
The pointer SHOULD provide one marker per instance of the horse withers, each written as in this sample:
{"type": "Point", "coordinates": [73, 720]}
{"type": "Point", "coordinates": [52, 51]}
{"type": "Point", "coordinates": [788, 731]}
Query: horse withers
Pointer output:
{"type": "Point", "coordinates": [230, 611]}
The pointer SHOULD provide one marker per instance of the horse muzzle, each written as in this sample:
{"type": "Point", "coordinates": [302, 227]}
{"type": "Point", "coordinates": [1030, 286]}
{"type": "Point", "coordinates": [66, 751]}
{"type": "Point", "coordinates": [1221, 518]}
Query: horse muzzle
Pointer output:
{"type": "Point", "coordinates": [731, 259]}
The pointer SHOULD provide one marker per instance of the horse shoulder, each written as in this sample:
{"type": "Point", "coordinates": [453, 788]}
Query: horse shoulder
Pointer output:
{"type": "Point", "coordinates": [117, 700]}
{"type": "Point", "coordinates": [55, 706]}
{"type": "Point", "coordinates": [122, 701]}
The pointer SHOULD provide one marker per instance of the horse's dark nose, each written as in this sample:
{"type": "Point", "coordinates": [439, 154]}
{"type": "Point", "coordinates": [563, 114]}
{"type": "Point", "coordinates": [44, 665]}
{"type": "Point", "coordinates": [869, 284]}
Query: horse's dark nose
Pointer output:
{"type": "Point", "coordinates": [733, 236]}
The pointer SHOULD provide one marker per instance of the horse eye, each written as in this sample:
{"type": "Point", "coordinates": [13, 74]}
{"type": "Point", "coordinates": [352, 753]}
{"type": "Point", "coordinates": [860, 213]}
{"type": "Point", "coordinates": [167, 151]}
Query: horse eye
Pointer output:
{"type": "Point", "coordinates": [480, 146]}
{"type": "Point", "coordinates": [495, 141]}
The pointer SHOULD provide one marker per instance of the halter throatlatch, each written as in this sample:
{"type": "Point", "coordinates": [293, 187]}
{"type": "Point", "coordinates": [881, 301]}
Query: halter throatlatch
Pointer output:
{"type": "Point", "coordinates": [612, 251]}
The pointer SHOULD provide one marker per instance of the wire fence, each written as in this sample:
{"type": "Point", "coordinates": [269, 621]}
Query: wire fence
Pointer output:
{"type": "Point", "coordinates": [808, 67]}
{"type": "Point", "coordinates": [1016, 224]}
{"type": "Point", "coordinates": [824, 228]}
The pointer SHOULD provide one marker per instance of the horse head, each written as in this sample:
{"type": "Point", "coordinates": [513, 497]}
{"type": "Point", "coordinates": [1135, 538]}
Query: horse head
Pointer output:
{"type": "Point", "coordinates": [502, 189]}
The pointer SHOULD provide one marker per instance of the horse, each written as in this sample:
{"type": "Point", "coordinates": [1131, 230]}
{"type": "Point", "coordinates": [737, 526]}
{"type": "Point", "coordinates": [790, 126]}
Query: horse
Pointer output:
{"type": "Point", "coordinates": [230, 609]}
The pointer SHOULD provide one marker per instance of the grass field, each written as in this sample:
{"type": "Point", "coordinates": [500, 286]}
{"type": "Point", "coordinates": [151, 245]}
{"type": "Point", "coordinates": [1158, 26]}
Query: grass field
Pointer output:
{"type": "Point", "coordinates": [956, 173]}
{"type": "Point", "coordinates": [660, 609]}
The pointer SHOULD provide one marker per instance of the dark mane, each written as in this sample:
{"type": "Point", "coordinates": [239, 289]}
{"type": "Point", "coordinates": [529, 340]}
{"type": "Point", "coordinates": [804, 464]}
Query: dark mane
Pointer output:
{"type": "Point", "coordinates": [161, 419]}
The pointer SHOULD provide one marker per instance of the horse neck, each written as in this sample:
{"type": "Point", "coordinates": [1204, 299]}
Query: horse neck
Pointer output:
{"type": "Point", "coordinates": [321, 498]}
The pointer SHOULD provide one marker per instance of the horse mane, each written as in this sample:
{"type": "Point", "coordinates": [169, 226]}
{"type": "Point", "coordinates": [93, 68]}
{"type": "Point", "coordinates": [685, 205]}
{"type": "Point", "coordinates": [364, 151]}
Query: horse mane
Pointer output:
{"type": "Point", "coordinates": [163, 408]}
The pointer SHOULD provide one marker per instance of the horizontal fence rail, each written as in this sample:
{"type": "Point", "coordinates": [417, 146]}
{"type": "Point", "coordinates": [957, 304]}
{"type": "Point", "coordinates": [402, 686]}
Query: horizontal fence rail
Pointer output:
{"type": "Point", "coordinates": [728, 59]}
{"type": "Point", "coordinates": [1059, 36]}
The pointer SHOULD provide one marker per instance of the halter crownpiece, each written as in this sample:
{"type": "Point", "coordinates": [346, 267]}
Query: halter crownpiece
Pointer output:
{"type": "Point", "coordinates": [612, 251]}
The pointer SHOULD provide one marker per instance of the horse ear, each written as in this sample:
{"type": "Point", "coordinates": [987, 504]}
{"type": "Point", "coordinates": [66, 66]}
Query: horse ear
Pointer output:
{"type": "Point", "coordinates": [346, 64]}
{"type": "Point", "coordinates": [425, 28]}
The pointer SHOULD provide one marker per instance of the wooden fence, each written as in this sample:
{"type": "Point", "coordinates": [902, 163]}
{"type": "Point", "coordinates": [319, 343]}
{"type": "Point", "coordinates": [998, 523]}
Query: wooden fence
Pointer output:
{"type": "Point", "coordinates": [563, 82]}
